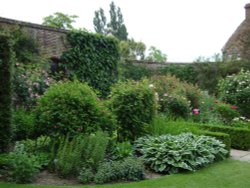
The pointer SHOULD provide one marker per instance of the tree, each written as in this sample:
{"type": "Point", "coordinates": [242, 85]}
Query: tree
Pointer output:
{"type": "Point", "coordinates": [99, 21]}
{"type": "Point", "coordinates": [156, 55]}
{"type": "Point", "coordinates": [132, 50]}
{"type": "Point", "coordinates": [59, 20]}
{"type": "Point", "coordinates": [116, 26]}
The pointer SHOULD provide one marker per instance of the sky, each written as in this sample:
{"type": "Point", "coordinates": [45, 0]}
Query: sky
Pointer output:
{"type": "Point", "coordinates": [182, 29]}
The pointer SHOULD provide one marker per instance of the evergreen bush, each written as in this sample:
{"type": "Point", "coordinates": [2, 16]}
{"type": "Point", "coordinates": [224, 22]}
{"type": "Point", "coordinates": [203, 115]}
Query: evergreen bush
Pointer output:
{"type": "Point", "coordinates": [134, 105]}
{"type": "Point", "coordinates": [71, 108]}
{"type": "Point", "coordinates": [6, 66]}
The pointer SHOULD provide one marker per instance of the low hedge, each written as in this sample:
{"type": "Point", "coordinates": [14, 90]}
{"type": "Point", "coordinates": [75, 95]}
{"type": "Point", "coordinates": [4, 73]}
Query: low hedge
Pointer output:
{"type": "Point", "coordinates": [240, 137]}
{"type": "Point", "coordinates": [223, 137]}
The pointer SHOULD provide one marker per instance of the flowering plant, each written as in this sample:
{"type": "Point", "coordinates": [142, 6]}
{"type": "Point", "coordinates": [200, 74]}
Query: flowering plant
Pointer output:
{"type": "Point", "coordinates": [235, 89]}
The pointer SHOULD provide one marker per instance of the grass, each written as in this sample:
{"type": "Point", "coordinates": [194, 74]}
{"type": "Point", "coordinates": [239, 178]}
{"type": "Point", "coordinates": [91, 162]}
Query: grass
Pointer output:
{"type": "Point", "coordinates": [226, 174]}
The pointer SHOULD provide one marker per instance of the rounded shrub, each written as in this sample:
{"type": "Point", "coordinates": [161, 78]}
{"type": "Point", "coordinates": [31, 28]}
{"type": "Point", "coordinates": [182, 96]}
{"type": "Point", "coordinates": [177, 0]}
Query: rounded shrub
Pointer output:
{"type": "Point", "coordinates": [134, 105]}
{"type": "Point", "coordinates": [235, 89]}
{"type": "Point", "coordinates": [175, 97]}
{"type": "Point", "coordinates": [71, 107]}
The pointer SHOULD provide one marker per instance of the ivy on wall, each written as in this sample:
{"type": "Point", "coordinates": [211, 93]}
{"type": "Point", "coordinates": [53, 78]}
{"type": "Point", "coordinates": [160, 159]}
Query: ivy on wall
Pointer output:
{"type": "Point", "coordinates": [6, 64]}
{"type": "Point", "coordinates": [92, 58]}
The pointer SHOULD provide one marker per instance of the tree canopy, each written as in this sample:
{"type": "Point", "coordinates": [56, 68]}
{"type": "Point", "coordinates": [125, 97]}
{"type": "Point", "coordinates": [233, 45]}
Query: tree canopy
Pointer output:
{"type": "Point", "coordinates": [116, 25]}
{"type": "Point", "coordinates": [59, 20]}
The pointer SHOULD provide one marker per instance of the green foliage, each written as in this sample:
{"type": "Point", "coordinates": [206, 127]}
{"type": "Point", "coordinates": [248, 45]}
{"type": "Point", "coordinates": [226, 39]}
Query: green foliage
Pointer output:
{"type": "Point", "coordinates": [116, 26]}
{"type": "Point", "coordinates": [86, 175]}
{"type": "Point", "coordinates": [92, 58]}
{"type": "Point", "coordinates": [71, 108]}
{"type": "Point", "coordinates": [235, 89]}
{"type": "Point", "coordinates": [186, 73]}
{"type": "Point", "coordinates": [134, 72]}
{"type": "Point", "coordinates": [240, 137]}
{"type": "Point", "coordinates": [30, 82]}
{"type": "Point", "coordinates": [132, 50]}
{"type": "Point", "coordinates": [122, 150]}
{"type": "Point", "coordinates": [155, 55]}
{"type": "Point", "coordinates": [59, 20]}
{"type": "Point", "coordinates": [164, 125]}
{"type": "Point", "coordinates": [175, 97]}
{"type": "Point", "coordinates": [223, 137]}
{"type": "Point", "coordinates": [134, 105]}
{"type": "Point", "coordinates": [6, 75]}
{"type": "Point", "coordinates": [172, 154]}
{"type": "Point", "coordinates": [81, 151]}
{"type": "Point", "coordinates": [100, 22]}
{"type": "Point", "coordinates": [23, 166]}
{"type": "Point", "coordinates": [130, 169]}
{"type": "Point", "coordinates": [226, 113]}
{"type": "Point", "coordinates": [23, 124]}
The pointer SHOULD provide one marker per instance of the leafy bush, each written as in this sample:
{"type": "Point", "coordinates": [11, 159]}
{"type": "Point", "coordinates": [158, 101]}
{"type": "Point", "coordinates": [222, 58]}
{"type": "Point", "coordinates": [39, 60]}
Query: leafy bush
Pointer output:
{"type": "Point", "coordinates": [223, 137]}
{"type": "Point", "coordinates": [240, 137]}
{"type": "Point", "coordinates": [175, 98]}
{"type": "Point", "coordinates": [6, 74]}
{"type": "Point", "coordinates": [130, 169]}
{"type": "Point", "coordinates": [226, 112]}
{"type": "Point", "coordinates": [122, 150]}
{"type": "Point", "coordinates": [23, 166]}
{"type": "Point", "coordinates": [92, 58]}
{"type": "Point", "coordinates": [71, 107]}
{"type": "Point", "coordinates": [235, 89]}
{"type": "Point", "coordinates": [87, 152]}
{"type": "Point", "coordinates": [134, 105]}
{"type": "Point", "coordinates": [23, 124]}
{"type": "Point", "coordinates": [172, 154]}
{"type": "Point", "coordinates": [135, 72]}
{"type": "Point", "coordinates": [185, 73]}
{"type": "Point", "coordinates": [86, 175]}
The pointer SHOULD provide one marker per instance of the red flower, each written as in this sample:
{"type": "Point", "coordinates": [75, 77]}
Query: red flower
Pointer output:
{"type": "Point", "coordinates": [196, 111]}
{"type": "Point", "coordinates": [234, 107]}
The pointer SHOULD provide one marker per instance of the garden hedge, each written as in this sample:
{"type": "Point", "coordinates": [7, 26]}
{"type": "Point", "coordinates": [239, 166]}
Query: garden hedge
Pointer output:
{"type": "Point", "coordinates": [6, 64]}
{"type": "Point", "coordinates": [240, 137]}
{"type": "Point", "coordinates": [92, 58]}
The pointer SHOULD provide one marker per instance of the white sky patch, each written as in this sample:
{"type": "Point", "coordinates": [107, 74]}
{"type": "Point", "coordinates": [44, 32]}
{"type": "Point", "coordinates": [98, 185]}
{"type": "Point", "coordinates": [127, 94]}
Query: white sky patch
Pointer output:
{"type": "Point", "coordinates": [182, 29]}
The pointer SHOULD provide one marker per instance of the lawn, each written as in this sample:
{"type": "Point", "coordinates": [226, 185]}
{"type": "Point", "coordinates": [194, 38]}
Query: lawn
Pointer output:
{"type": "Point", "coordinates": [226, 174]}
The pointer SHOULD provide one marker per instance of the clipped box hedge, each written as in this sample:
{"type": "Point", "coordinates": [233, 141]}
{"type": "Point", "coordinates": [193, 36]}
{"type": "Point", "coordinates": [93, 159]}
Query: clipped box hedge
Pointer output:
{"type": "Point", "coordinates": [240, 137]}
{"type": "Point", "coordinates": [223, 137]}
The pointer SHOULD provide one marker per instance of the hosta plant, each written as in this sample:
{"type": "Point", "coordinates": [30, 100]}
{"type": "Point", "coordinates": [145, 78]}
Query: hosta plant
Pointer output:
{"type": "Point", "coordinates": [172, 154]}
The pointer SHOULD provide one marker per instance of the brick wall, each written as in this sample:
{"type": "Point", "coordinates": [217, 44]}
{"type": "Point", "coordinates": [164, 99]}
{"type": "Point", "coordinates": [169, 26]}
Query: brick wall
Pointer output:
{"type": "Point", "coordinates": [51, 41]}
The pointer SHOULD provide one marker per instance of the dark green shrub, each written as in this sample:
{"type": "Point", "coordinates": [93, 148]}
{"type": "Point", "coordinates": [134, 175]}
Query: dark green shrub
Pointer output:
{"type": "Point", "coordinates": [223, 137]}
{"type": "Point", "coordinates": [92, 58]}
{"type": "Point", "coordinates": [135, 72]}
{"type": "Point", "coordinates": [240, 137]}
{"type": "Point", "coordinates": [23, 167]}
{"type": "Point", "coordinates": [134, 105]}
{"type": "Point", "coordinates": [130, 169]}
{"type": "Point", "coordinates": [23, 124]}
{"type": "Point", "coordinates": [183, 72]}
{"type": "Point", "coordinates": [81, 151]}
{"type": "Point", "coordinates": [6, 66]}
{"type": "Point", "coordinates": [86, 175]}
{"type": "Point", "coordinates": [172, 154]}
{"type": "Point", "coordinates": [235, 90]}
{"type": "Point", "coordinates": [226, 113]}
{"type": "Point", "coordinates": [71, 108]}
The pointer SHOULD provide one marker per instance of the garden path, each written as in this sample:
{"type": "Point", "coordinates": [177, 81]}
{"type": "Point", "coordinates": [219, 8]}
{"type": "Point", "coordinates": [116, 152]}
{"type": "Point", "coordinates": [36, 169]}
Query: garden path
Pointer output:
{"type": "Point", "coordinates": [240, 155]}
